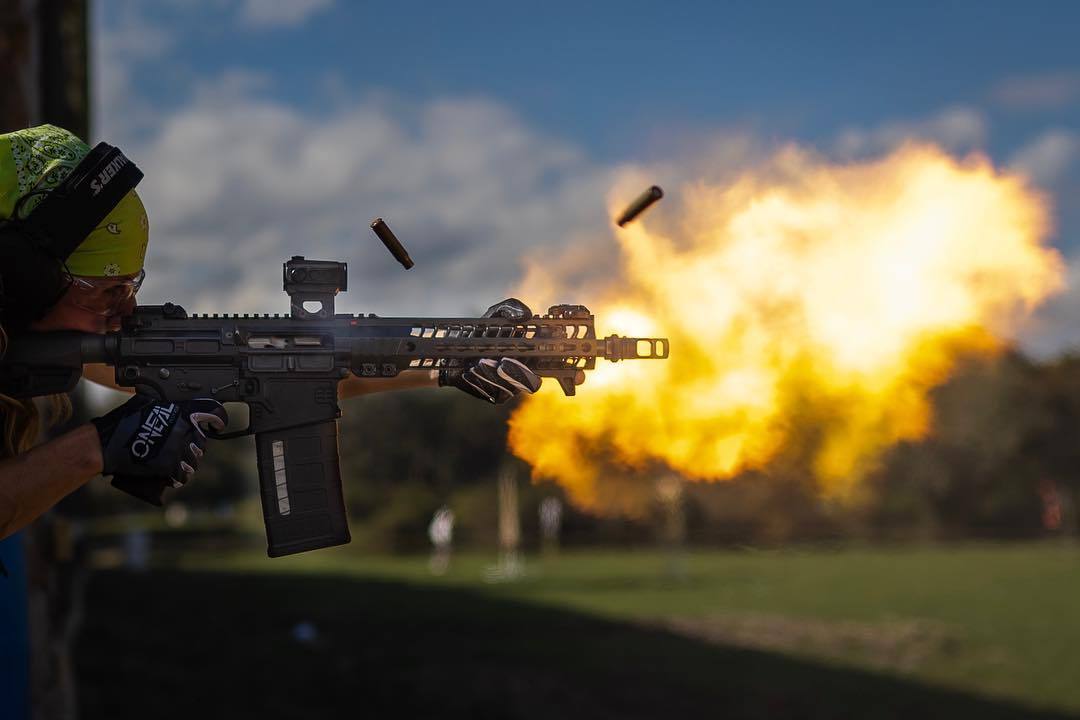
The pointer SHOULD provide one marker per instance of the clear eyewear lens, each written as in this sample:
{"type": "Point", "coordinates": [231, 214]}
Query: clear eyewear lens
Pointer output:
{"type": "Point", "coordinates": [93, 284]}
{"type": "Point", "coordinates": [104, 296]}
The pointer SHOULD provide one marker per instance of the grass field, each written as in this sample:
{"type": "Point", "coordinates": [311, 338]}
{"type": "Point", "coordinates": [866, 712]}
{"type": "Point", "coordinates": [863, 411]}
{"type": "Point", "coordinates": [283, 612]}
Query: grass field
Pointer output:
{"type": "Point", "coordinates": [977, 631]}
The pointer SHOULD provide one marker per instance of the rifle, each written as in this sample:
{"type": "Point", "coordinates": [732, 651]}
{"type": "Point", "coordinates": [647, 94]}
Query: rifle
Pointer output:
{"type": "Point", "coordinates": [286, 370]}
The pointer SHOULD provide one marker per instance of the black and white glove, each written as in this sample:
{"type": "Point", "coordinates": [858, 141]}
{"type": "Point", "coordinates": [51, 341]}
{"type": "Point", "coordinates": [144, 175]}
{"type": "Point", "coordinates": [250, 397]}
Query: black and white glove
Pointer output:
{"type": "Point", "coordinates": [495, 381]}
{"type": "Point", "coordinates": [146, 438]}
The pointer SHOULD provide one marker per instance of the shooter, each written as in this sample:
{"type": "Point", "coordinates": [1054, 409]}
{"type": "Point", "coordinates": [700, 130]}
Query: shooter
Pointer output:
{"type": "Point", "coordinates": [73, 238]}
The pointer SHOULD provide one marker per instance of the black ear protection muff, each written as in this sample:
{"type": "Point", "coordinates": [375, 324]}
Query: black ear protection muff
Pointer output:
{"type": "Point", "coordinates": [34, 249]}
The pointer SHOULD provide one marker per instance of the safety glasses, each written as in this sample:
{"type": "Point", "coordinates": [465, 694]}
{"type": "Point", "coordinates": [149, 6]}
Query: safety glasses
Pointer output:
{"type": "Point", "coordinates": [104, 296]}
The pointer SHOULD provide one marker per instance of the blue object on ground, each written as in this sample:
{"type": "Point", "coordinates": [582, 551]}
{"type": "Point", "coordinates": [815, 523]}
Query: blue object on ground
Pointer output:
{"type": "Point", "coordinates": [15, 644]}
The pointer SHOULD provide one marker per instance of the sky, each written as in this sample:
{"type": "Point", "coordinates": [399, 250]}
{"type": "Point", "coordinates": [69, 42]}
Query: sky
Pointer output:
{"type": "Point", "coordinates": [488, 133]}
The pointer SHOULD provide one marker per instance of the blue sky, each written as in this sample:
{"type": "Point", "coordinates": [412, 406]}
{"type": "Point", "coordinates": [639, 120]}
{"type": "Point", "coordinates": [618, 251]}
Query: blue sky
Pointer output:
{"type": "Point", "coordinates": [590, 85]}
{"type": "Point", "coordinates": [616, 76]}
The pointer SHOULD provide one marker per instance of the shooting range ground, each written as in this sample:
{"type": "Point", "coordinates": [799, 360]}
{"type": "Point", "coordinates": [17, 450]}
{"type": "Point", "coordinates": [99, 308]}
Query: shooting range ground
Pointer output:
{"type": "Point", "coordinates": [971, 631]}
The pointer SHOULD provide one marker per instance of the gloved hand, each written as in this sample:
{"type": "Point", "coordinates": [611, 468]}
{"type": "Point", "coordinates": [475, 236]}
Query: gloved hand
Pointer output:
{"type": "Point", "coordinates": [495, 381]}
{"type": "Point", "coordinates": [145, 438]}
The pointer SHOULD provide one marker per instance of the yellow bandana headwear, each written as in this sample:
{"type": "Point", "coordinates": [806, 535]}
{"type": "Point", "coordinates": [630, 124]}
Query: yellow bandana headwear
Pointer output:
{"type": "Point", "coordinates": [38, 159]}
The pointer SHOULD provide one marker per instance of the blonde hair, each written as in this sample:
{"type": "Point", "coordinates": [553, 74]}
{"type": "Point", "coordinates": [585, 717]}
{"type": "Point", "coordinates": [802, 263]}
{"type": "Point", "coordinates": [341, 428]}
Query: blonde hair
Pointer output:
{"type": "Point", "coordinates": [23, 420]}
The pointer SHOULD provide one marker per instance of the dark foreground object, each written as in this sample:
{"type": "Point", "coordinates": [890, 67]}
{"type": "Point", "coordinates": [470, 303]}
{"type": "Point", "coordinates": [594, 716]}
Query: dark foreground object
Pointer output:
{"type": "Point", "coordinates": [198, 645]}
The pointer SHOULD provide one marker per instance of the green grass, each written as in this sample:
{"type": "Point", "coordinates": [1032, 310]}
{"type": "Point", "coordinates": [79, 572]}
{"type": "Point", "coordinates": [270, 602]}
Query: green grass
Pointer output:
{"type": "Point", "coordinates": [978, 629]}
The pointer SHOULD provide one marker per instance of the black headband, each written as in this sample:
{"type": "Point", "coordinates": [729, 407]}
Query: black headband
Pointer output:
{"type": "Point", "coordinates": [72, 210]}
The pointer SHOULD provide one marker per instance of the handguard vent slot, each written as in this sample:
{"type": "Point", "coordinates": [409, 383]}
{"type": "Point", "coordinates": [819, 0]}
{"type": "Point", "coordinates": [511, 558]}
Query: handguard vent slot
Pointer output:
{"type": "Point", "coordinates": [541, 328]}
{"type": "Point", "coordinates": [523, 330]}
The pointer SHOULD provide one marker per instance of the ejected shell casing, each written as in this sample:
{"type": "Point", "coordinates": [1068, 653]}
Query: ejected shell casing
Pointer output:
{"type": "Point", "coordinates": [642, 203]}
{"type": "Point", "coordinates": [391, 242]}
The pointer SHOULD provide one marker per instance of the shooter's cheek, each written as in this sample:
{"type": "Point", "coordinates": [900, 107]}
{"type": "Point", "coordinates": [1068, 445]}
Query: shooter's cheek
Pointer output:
{"type": "Point", "coordinates": [113, 322]}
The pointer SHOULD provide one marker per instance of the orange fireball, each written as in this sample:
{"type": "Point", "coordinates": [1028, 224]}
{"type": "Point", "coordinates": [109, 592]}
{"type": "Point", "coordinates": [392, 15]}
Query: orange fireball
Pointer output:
{"type": "Point", "coordinates": [803, 295]}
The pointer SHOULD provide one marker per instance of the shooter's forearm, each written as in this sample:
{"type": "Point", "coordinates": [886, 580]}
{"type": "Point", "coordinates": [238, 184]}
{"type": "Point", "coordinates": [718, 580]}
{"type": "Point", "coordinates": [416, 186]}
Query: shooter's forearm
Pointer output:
{"type": "Point", "coordinates": [351, 386]}
{"type": "Point", "coordinates": [34, 481]}
{"type": "Point", "coordinates": [104, 375]}
{"type": "Point", "coordinates": [407, 380]}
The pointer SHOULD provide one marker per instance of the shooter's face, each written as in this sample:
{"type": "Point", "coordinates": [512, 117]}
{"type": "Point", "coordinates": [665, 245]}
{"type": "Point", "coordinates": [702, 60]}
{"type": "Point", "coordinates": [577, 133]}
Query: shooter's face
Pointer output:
{"type": "Point", "coordinates": [94, 305]}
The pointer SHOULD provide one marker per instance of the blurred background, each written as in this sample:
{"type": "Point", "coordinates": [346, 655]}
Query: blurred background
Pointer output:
{"type": "Point", "coordinates": [852, 490]}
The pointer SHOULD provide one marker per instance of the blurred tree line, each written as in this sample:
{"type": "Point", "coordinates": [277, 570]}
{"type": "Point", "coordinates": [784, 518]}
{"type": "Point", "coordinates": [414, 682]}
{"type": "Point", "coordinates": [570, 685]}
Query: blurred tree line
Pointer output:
{"type": "Point", "coordinates": [1002, 461]}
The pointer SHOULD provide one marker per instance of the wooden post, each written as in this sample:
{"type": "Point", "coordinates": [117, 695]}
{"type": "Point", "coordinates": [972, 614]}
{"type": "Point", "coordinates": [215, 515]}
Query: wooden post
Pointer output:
{"type": "Point", "coordinates": [509, 566]}
{"type": "Point", "coordinates": [43, 62]}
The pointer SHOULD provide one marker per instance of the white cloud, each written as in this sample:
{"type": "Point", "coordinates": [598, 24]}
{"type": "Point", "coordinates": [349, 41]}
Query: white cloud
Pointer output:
{"type": "Point", "coordinates": [129, 37]}
{"type": "Point", "coordinates": [1047, 158]}
{"type": "Point", "coordinates": [1055, 327]}
{"type": "Point", "coordinates": [123, 38]}
{"type": "Point", "coordinates": [235, 184]}
{"type": "Point", "coordinates": [958, 129]}
{"type": "Point", "coordinates": [1048, 161]}
{"type": "Point", "coordinates": [280, 13]}
{"type": "Point", "coordinates": [1039, 91]}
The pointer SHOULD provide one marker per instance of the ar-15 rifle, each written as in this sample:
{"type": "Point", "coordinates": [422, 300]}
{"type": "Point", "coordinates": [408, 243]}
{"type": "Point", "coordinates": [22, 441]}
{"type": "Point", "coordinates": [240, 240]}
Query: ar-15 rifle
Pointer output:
{"type": "Point", "coordinates": [286, 369]}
